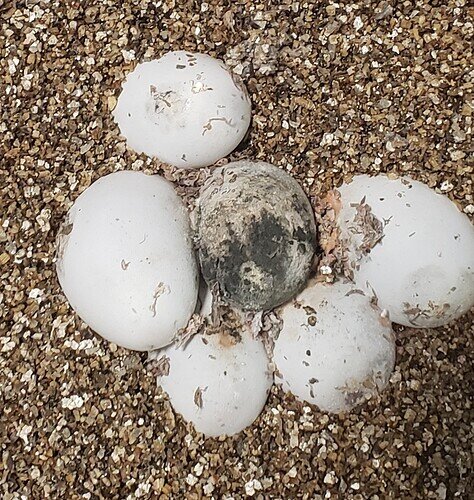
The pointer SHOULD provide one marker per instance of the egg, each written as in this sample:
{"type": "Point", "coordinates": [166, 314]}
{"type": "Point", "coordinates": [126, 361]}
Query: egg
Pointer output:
{"type": "Point", "coordinates": [125, 260]}
{"type": "Point", "coordinates": [411, 246]}
{"type": "Point", "coordinates": [219, 380]}
{"type": "Point", "coordinates": [185, 109]}
{"type": "Point", "coordinates": [335, 348]}
{"type": "Point", "coordinates": [256, 234]}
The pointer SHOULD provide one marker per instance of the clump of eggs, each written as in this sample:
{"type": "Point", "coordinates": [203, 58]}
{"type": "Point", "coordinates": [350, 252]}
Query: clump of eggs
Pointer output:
{"type": "Point", "coordinates": [130, 260]}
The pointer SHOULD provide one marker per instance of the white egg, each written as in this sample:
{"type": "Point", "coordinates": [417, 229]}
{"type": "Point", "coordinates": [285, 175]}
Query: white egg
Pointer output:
{"type": "Point", "coordinates": [186, 109]}
{"type": "Point", "coordinates": [219, 382]}
{"type": "Point", "coordinates": [125, 260]}
{"type": "Point", "coordinates": [335, 349]}
{"type": "Point", "coordinates": [413, 247]}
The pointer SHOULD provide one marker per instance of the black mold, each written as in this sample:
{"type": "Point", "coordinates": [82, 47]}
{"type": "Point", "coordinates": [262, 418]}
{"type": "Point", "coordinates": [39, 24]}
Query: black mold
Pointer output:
{"type": "Point", "coordinates": [267, 251]}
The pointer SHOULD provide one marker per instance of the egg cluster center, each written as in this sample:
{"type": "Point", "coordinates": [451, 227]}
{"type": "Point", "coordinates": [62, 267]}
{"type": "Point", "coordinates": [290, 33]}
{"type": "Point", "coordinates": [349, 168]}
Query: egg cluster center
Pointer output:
{"type": "Point", "coordinates": [258, 285]}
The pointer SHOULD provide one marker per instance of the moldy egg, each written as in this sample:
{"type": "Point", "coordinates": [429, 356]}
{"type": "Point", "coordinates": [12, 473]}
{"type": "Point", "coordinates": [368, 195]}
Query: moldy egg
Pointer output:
{"type": "Point", "coordinates": [256, 234]}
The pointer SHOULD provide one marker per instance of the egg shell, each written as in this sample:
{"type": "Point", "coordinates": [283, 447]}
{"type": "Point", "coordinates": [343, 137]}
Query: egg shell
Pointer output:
{"type": "Point", "coordinates": [186, 109]}
{"type": "Point", "coordinates": [334, 349]}
{"type": "Point", "coordinates": [125, 260]}
{"type": "Point", "coordinates": [422, 268]}
{"type": "Point", "coordinates": [256, 234]}
{"type": "Point", "coordinates": [206, 298]}
{"type": "Point", "coordinates": [219, 385]}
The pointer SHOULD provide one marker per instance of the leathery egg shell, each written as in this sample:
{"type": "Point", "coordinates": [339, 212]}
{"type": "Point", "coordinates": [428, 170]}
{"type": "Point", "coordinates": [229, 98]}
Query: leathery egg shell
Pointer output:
{"type": "Point", "coordinates": [219, 382]}
{"type": "Point", "coordinates": [256, 234]}
{"type": "Point", "coordinates": [125, 260]}
{"type": "Point", "coordinates": [186, 109]}
{"type": "Point", "coordinates": [335, 349]}
{"type": "Point", "coordinates": [410, 245]}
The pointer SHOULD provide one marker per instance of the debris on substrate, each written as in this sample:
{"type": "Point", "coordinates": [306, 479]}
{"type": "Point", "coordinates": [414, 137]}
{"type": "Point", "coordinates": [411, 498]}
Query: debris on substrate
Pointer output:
{"type": "Point", "coordinates": [337, 90]}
